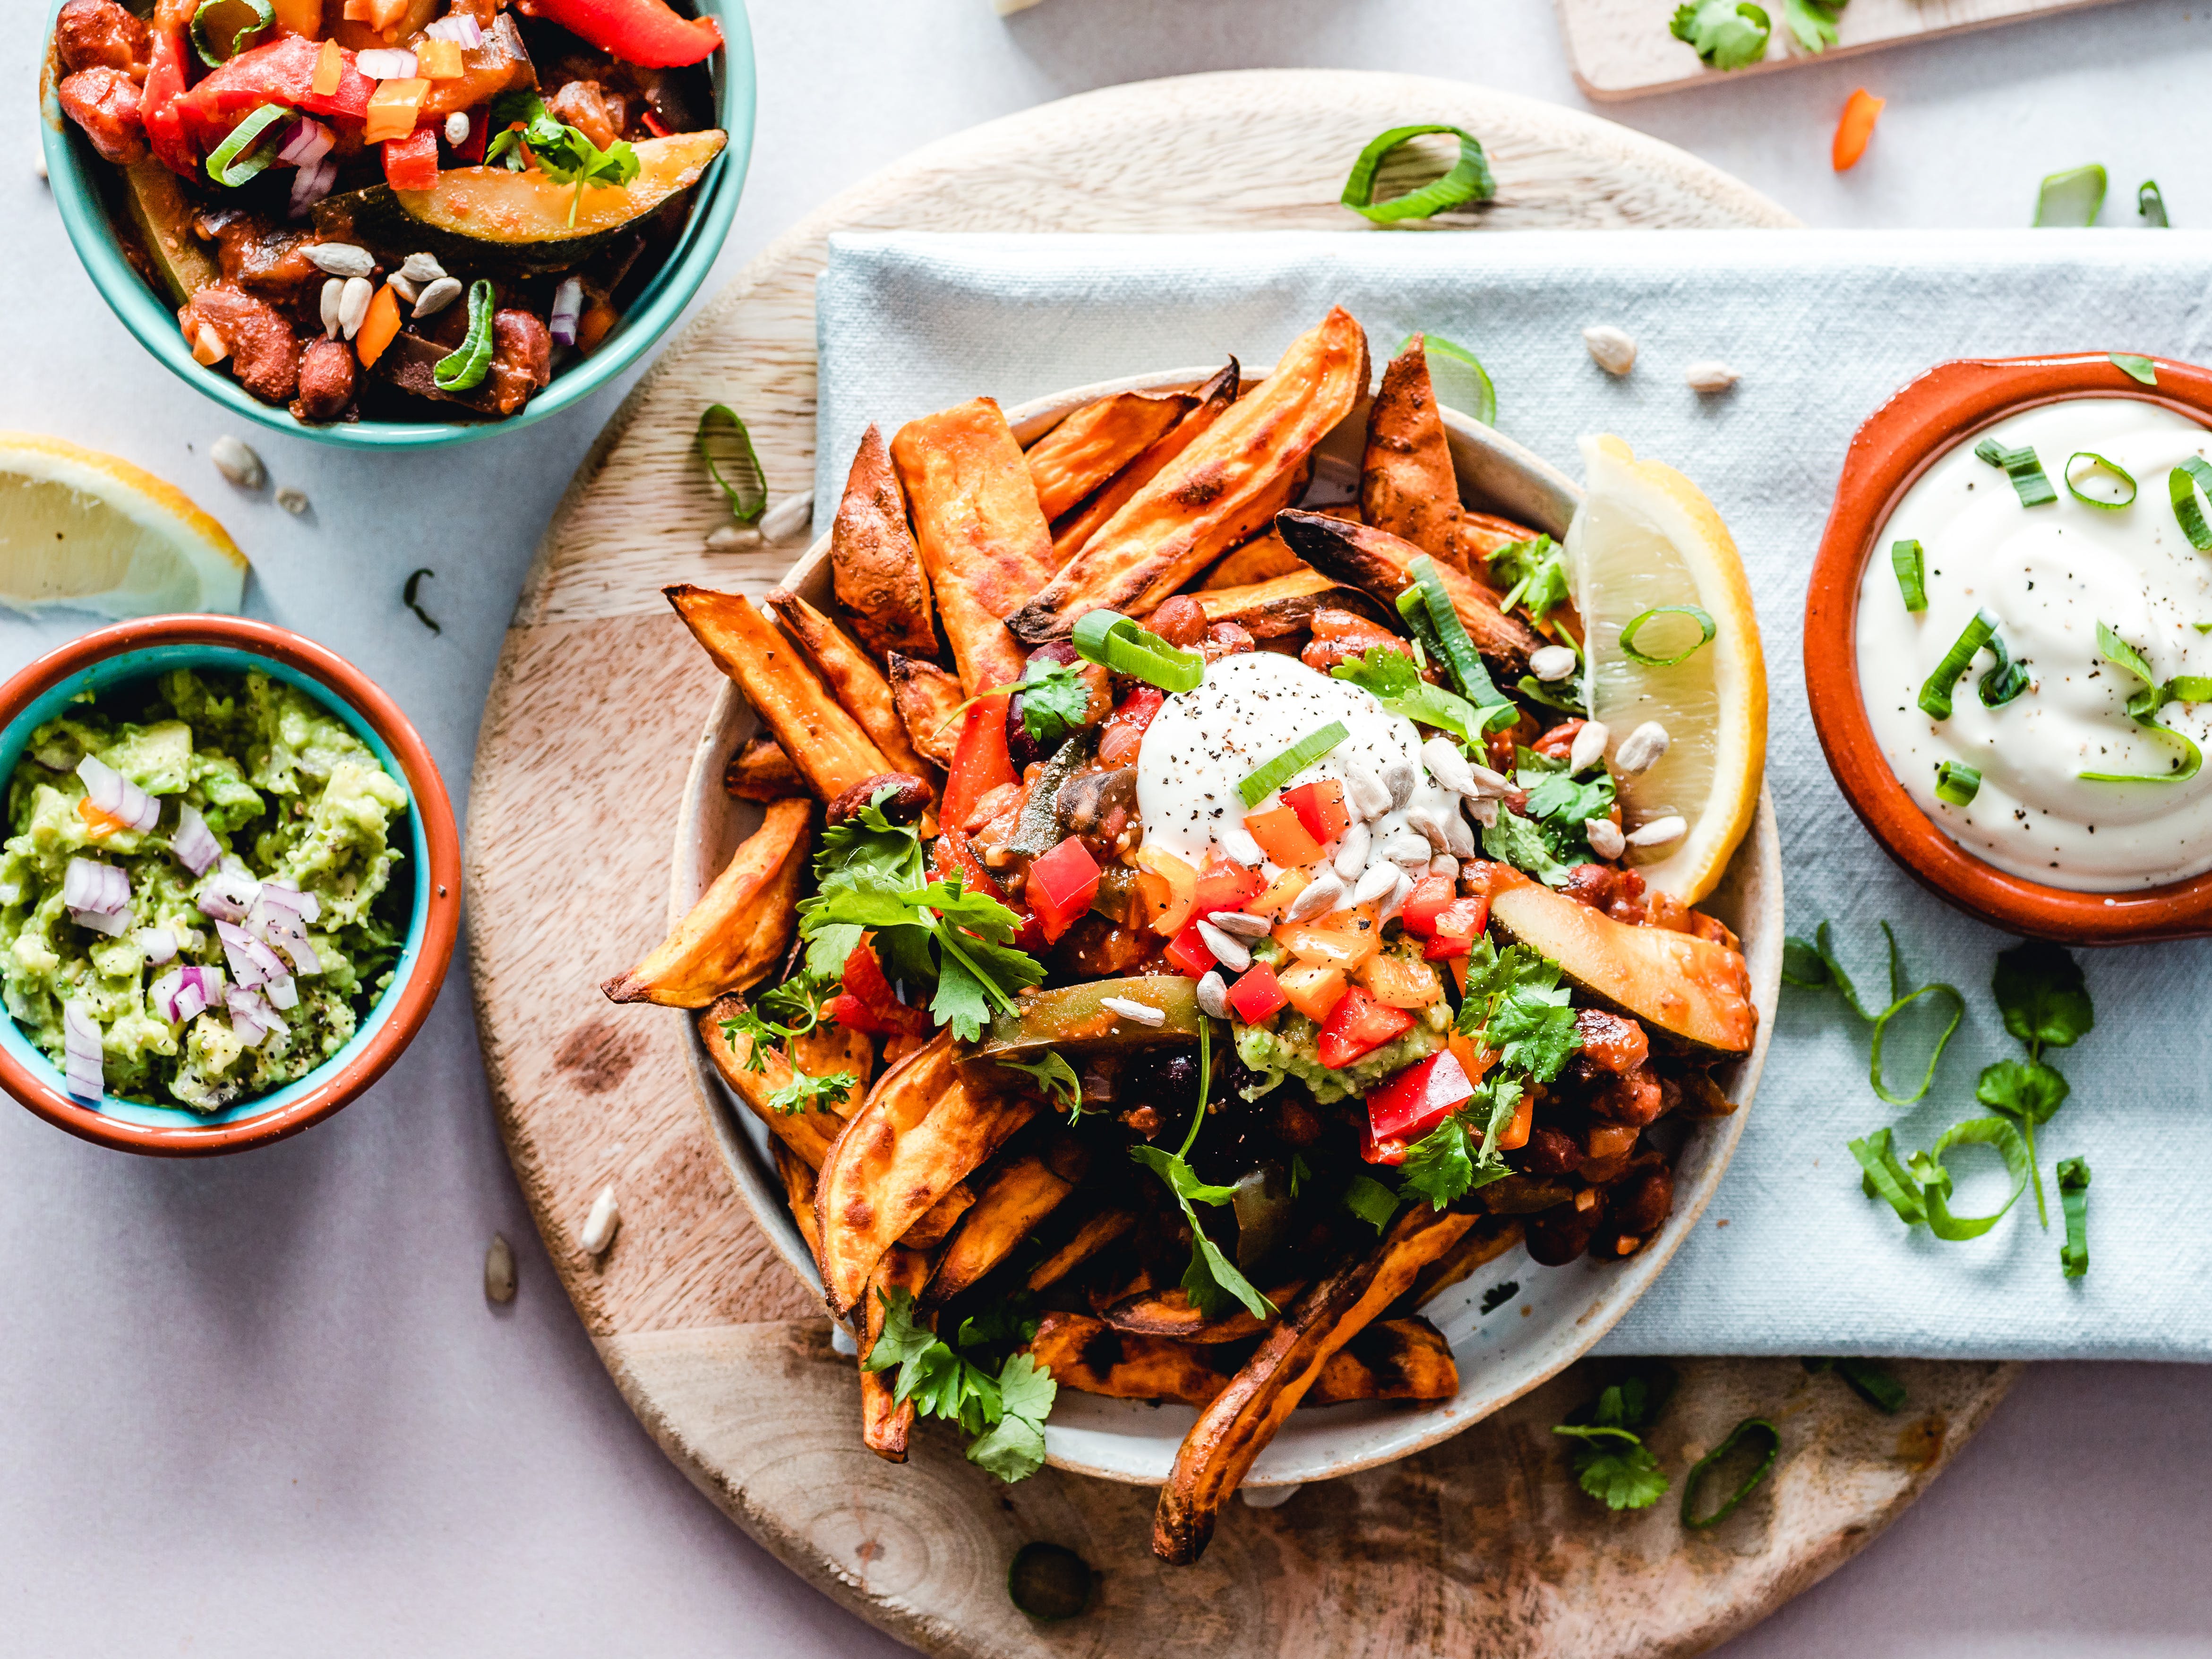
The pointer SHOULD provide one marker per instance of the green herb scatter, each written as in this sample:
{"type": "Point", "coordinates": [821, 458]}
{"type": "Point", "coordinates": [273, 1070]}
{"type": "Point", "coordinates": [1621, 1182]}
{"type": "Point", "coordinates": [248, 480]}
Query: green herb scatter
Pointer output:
{"type": "Point", "coordinates": [1726, 35]}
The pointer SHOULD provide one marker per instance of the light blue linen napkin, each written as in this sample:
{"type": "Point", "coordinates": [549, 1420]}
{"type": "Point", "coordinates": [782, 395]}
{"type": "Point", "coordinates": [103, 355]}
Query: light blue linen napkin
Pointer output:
{"type": "Point", "coordinates": [1791, 1258]}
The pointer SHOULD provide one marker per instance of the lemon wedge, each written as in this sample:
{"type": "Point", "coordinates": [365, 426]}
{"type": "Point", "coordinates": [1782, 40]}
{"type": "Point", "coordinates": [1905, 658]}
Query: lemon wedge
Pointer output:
{"type": "Point", "coordinates": [81, 530]}
{"type": "Point", "coordinates": [1644, 539]}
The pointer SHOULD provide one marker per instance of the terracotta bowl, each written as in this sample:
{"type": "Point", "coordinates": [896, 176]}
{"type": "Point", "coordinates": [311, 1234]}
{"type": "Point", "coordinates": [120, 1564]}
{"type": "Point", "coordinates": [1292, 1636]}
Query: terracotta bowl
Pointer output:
{"type": "Point", "coordinates": [1922, 422]}
{"type": "Point", "coordinates": [135, 651]}
{"type": "Point", "coordinates": [1559, 1313]}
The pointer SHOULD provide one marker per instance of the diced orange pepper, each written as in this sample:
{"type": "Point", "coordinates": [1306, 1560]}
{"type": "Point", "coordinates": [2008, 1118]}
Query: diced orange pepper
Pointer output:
{"type": "Point", "coordinates": [329, 69]}
{"type": "Point", "coordinates": [1282, 838]}
{"type": "Point", "coordinates": [300, 17]}
{"type": "Point", "coordinates": [439, 60]}
{"type": "Point", "coordinates": [1473, 1055]}
{"type": "Point", "coordinates": [596, 323]}
{"type": "Point", "coordinates": [1182, 883]}
{"type": "Point", "coordinates": [392, 108]}
{"type": "Point", "coordinates": [1345, 948]}
{"type": "Point", "coordinates": [1313, 988]}
{"type": "Point", "coordinates": [98, 823]}
{"type": "Point", "coordinates": [1860, 111]}
{"type": "Point", "coordinates": [1400, 981]}
{"type": "Point", "coordinates": [1281, 894]}
{"type": "Point", "coordinates": [379, 328]}
{"type": "Point", "coordinates": [1514, 1135]}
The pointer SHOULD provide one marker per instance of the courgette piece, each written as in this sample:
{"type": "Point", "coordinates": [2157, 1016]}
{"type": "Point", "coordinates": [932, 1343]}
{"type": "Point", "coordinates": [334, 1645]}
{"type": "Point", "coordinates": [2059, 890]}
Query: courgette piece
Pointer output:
{"type": "Point", "coordinates": [162, 214]}
{"type": "Point", "coordinates": [1037, 832]}
{"type": "Point", "coordinates": [1071, 1017]}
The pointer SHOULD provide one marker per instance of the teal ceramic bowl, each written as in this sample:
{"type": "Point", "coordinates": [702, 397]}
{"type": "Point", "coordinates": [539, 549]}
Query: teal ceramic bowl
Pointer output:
{"type": "Point", "coordinates": [76, 171]}
{"type": "Point", "coordinates": [135, 651]}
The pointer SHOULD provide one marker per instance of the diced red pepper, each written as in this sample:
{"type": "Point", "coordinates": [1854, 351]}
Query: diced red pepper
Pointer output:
{"type": "Point", "coordinates": [1357, 1026]}
{"type": "Point", "coordinates": [980, 762]}
{"type": "Point", "coordinates": [1431, 896]}
{"type": "Point", "coordinates": [1321, 808]}
{"type": "Point", "coordinates": [1061, 885]}
{"type": "Point", "coordinates": [868, 1002]}
{"type": "Point", "coordinates": [1123, 733]}
{"type": "Point", "coordinates": [952, 853]}
{"type": "Point", "coordinates": [1223, 885]}
{"type": "Point", "coordinates": [411, 163]}
{"type": "Point", "coordinates": [282, 72]}
{"type": "Point", "coordinates": [1258, 994]}
{"type": "Point", "coordinates": [159, 101]}
{"type": "Point", "coordinates": [1187, 954]}
{"type": "Point", "coordinates": [1392, 1150]}
{"type": "Point", "coordinates": [1456, 928]}
{"type": "Point", "coordinates": [1417, 1099]}
{"type": "Point", "coordinates": [642, 32]}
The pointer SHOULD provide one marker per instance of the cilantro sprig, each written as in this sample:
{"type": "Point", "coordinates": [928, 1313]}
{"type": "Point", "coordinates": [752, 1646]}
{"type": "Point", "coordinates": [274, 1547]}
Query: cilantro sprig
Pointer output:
{"type": "Point", "coordinates": [1005, 1409]}
{"type": "Point", "coordinates": [1054, 699]}
{"type": "Point", "coordinates": [1056, 1079]}
{"type": "Point", "coordinates": [805, 1093]}
{"type": "Point", "coordinates": [1726, 35]}
{"type": "Point", "coordinates": [1611, 1463]}
{"type": "Point", "coordinates": [773, 1018]}
{"type": "Point", "coordinates": [1212, 1279]}
{"type": "Point", "coordinates": [524, 130]}
{"type": "Point", "coordinates": [1396, 684]}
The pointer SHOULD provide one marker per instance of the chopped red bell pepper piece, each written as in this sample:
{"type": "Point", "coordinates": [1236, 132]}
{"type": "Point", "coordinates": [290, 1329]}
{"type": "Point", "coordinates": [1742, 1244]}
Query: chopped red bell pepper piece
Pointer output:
{"type": "Point", "coordinates": [1062, 884]}
{"type": "Point", "coordinates": [1124, 731]}
{"type": "Point", "coordinates": [953, 854]}
{"type": "Point", "coordinates": [282, 72]}
{"type": "Point", "coordinates": [868, 1002]}
{"type": "Point", "coordinates": [1431, 896]}
{"type": "Point", "coordinates": [1319, 806]}
{"type": "Point", "coordinates": [981, 762]}
{"type": "Point", "coordinates": [1188, 953]}
{"type": "Point", "coordinates": [1357, 1026]}
{"type": "Point", "coordinates": [1417, 1099]}
{"type": "Point", "coordinates": [1223, 885]}
{"type": "Point", "coordinates": [1392, 1150]}
{"type": "Point", "coordinates": [646, 32]}
{"type": "Point", "coordinates": [1258, 994]}
{"type": "Point", "coordinates": [1456, 928]}
{"type": "Point", "coordinates": [411, 163]}
{"type": "Point", "coordinates": [158, 103]}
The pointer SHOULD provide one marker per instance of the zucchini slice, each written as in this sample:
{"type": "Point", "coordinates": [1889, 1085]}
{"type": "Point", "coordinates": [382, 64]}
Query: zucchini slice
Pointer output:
{"type": "Point", "coordinates": [491, 205]}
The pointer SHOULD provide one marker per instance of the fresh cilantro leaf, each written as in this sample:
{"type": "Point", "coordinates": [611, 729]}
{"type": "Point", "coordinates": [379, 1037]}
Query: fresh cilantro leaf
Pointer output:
{"type": "Point", "coordinates": [1006, 1411]}
{"type": "Point", "coordinates": [1398, 686]}
{"type": "Point", "coordinates": [1514, 840]}
{"type": "Point", "coordinates": [774, 1016]}
{"type": "Point", "coordinates": [1615, 1467]}
{"type": "Point", "coordinates": [1516, 1005]}
{"type": "Point", "coordinates": [1015, 1447]}
{"type": "Point", "coordinates": [803, 1091]}
{"type": "Point", "coordinates": [1008, 1324]}
{"type": "Point", "coordinates": [1372, 1201]}
{"type": "Point", "coordinates": [1438, 1166]}
{"type": "Point", "coordinates": [1056, 1078]}
{"type": "Point", "coordinates": [976, 969]}
{"type": "Point", "coordinates": [1054, 699]}
{"type": "Point", "coordinates": [1299, 1174]}
{"type": "Point", "coordinates": [1726, 35]}
{"type": "Point", "coordinates": [1567, 695]}
{"type": "Point", "coordinates": [524, 130]}
{"type": "Point", "coordinates": [869, 850]}
{"type": "Point", "coordinates": [2040, 992]}
{"type": "Point", "coordinates": [1813, 22]}
{"type": "Point", "coordinates": [1212, 1280]}
{"type": "Point", "coordinates": [1534, 574]}
{"type": "Point", "coordinates": [2028, 1091]}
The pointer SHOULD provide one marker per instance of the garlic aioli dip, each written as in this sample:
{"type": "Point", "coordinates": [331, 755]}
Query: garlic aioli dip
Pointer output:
{"type": "Point", "coordinates": [2049, 574]}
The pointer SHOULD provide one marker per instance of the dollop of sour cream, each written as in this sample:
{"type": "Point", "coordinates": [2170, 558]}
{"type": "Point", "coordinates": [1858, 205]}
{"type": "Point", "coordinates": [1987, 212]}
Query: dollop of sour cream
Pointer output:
{"type": "Point", "coordinates": [1250, 708]}
{"type": "Point", "coordinates": [2049, 574]}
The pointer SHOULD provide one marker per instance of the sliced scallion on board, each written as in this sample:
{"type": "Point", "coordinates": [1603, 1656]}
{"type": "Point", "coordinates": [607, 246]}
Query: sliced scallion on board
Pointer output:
{"type": "Point", "coordinates": [732, 463]}
{"type": "Point", "coordinates": [2073, 197]}
{"type": "Point", "coordinates": [2074, 1199]}
{"type": "Point", "coordinates": [2150, 203]}
{"type": "Point", "coordinates": [1752, 1429]}
{"type": "Point", "coordinates": [1467, 180]}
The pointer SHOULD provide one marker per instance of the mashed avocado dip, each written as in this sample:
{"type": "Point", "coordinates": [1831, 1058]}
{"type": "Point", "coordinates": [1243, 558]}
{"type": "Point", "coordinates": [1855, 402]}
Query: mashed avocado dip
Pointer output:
{"type": "Point", "coordinates": [195, 899]}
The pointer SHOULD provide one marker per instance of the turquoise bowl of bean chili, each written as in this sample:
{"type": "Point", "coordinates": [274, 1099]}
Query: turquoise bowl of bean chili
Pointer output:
{"type": "Point", "coordinates": [87, 190]}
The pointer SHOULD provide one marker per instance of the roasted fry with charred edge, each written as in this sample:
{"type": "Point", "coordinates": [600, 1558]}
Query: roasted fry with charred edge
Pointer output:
{"type": "Point", "coordinates": [738, 930]}
{"type": "Point", "coordinates": [1486, 1241]}
{"type": "Point", "coordinates": [1479, 534]}
{"type": "Point", "coordinates": [1014, 1198]}
{"type": "Point", "coordinates": [761, 771]}
{"type": "Point", "coordinates": [885, 1423]}
{"type": "Point", "coordinates": [1234, 1429]}
{"type": "Point", "coordinates": [1211, 401]}
{"type": "Point", "coordinates": [873, 561]}
{"type": "Point", "coordinates": [1092, 1236]}
{"type": "Point", "coordinates": [1213, 494]}
{"type": "Point", "coordinates": [1281, 605]}
{"type": "Point", "coordinates": [1376, 561]}
{"type": "Point", "coordinates": [859, 684]}
{"type": "Point", "coordinates": [926, 698]}
{"type": "Point", "coordinates": [1096, 441]}
{"type": "Point", "coordinates": [984, 540]}
{"type": "Point", "coordinates": [808, 1133]}
{"type": "Point", "coordinates": [1169, 1313]}
{"type": "Point", "coordinates": [1407, 484]}
{"type": "Point", "coordinates": [1391, 1359]}
{"type": "Point", "coordinates": [1261, 559]}
{"type": "Point", "coordinates": [922, 1130]}
{"type": "Point", "coordinates": [797, 1192]}
{"type": "Point", "coordinates": [827, 743]}
{"type": "Point", "coordinates": [938, 1222]}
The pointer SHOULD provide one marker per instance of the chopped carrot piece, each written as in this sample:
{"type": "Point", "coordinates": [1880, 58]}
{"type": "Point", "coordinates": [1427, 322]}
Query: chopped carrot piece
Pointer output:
{"type": "Point", "coordinates": [595, 325]}
{"type": "Point", "coordinates": [1860, 111]}
{"type": "Point", "coordinates": [329, 69]}
{"type": "Point", "coordinates": [392, 108]}
{"type": "Point", "coordinates": [379, 328]}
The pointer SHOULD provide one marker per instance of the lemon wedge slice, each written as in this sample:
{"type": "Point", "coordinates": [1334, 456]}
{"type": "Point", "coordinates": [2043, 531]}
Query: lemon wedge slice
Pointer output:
{"type": "Point", "coordinates": [81, 530]}
{"type": "Point", "coordinates": [1645, 538]}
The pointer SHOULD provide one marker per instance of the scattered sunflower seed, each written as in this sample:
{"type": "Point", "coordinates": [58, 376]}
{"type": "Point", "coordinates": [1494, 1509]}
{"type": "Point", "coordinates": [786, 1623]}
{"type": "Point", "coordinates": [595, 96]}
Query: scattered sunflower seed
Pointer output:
{"type": "Point", "coordinates": [1447, 765]}
{"type": "Point", "coordinates": [1241, 924]}
{"type": "Point", "coordinates": [1213, 995]}
{"type": "Point", "coordinates": [1400, 777]}
{"type": "Point", "coordinates": [1605, 838]}
{"type": "Point", "coordinates": [1142, 1012]}
{"type": "Point", "coordinates": [731, 537]}
{"type": "Point", "coordinates": [456, 128]}
{"type": "Point", "coordinates": [1444, 865]}
{"type": "Point", "coordinates": [1553, 662]}
{"type": "Point", "coordinates": [441, 292]}
{"type": "Point", "coordinates": [1588, 748]}
{"type": "Point", "coordinates": [340, 258]}
{"type": "Point", "coordinates": [422, 268]}
{"type": "Point", "coordinates": [1640, 750]}
{"type": "Point", "coordinates": [1459, 839]}
{"type": "Point", "coordinates": [1483, 811]}
{"type": "Point", "coordinates": [208, 348]}
{"type": "Point", "coordinates": [1231, 953]}
{"type": "Point", "coordinates": [1610, 348]}
{"type": "Point", "coordinates": [1367, 794]}
{"type": "Point", "coordinates": [353, 305]}
{"type": "Point", "coordinates": [788, 518]}
{"type": "Point", "coordinates": [237, 463]}
{"type": "Point", "coordinates": [333, 293]}
{"type": "Point", "coordinates": [1319, 897]}
{"type": "Point", "coordinates": [1488, 784]}
{"type": "Point", "coordinates": [600, 1226]}
{"type": "Point", "coordinates": [1379, 878]}
{"type": "Point", "coordinates": [1352, 852]}
{"type": "Point", "coordinates": [1268, 1497]}
{"type": "Point", "coordinates": [1236, 841]}
{"type": "Point", "coordinates": [1710, 376]}
{"type": "Point", "coordinates": [499, 1269]}
{"type": "Point", "coordinates": [1659, 831]}
{"type": "Point", "coordinates": [406, 289]}
{"type": "Point", "coordinates": [1430, 827]}
{"type": "Point", "coordinates": [293, 502]}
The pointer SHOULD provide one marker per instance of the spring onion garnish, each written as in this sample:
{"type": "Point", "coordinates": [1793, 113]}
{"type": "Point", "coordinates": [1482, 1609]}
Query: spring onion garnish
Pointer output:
{"type": "Point", "coordinates": [1957, 782]}
{"type": "Point", "coordinates": [1935, 695]}
{"type": "Point", "coordinates": [1299, 756]}
{"type": "Point", "coordinates": [1865, 1378]}
{"type": "Point", "coordinates": [1448, 635]}
{"type": "Point", "coordinates": [1114, 642]}
{"type": "Point", "coordinates": [1457, 378]}
{"type": "Point", "coordinates": [2135, 367]}
{"type": "Point", "coordinates": [2143, 707]}
{"type": "Point", "coordinates": [264, 17]}
{"type": "Point", "coordinates": [466, 367]}
{"type": "Point", "coordinates": [2021, 466]}
{"type": "Point", "coordinates": [241, 140]}
{"type": "Point", "coordinates": [2073, 197]}
{"type": "Point", "coordinates": [724, 442]}
{"type": "Point", "coordinates": [1704, 619]}
{"type": "Point", "coordinates": [2004, 682]}
{"type": "Point", "coordinates": [2098, 463]}
{"type": "Point", "coordinates": [1469, 179]}
{"type": "Point", "coordinates": [407, 596]}
{"type": "Point", "coordinates": [1909, 560]}
{"type": "Point", "coordinates": [1754, 1428]}
{"type": "Point", "coordinates": [2182, 485]}
{"type": "Point", "coordinates": [2151, 204]}
{"type": "Point", "coordinates": [2074, 1199]}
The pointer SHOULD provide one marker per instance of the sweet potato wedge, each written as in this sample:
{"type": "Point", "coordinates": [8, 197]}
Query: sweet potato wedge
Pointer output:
{"type": "Point", "coordinates": [830, 1049]}
{"type": "Point", "coordinates": [922, 1130]}
{"type": "Point", "coordinates": [938, 1220]}
{"type": "Point", "coordinates": [741, 925]}
{"type": "Point", "coordinates": [761, 771]}
{"type": "Point", "coordinates": [1014, 1199]}
{"type": "Point", "coordinates": [1391, 1359]}
{"type": "Point", "coordinates": [984, 538]}
{"type": "Point", "coordinates": [1209, 402]}
{"type": "Point", "coordinates": [799, 1193]}
{"type": "Point", "coordinates": [1096, 441]}
{"type": "Point", "coordinates": [1280, 606]}
{"type": "Point", "coordinates": [874, 565]}
{"type": "Point", "coordinates": [1478, 535]}
{"type": "Point", "coordinates": [1169, 1313]}
{"type": "Point", "coordinates": [1486, 1241]}
{"type": "Point", "coordinates": [1233, 1431]}
{"type": "Point", "coordinates": [1407, 484]}
{"type": "Point", "coordinates": [1261, 559]}
{"type": "Point", "coordinates": [926, 698]}
{"type": "Point", "coordinates": [808, 1133]}
{"type": "Point", "coordinates": [859, 685]}
{"type": "Point", "coordinates": [1376, 561]}
{"type": "Point", "coordinates": [885, 1422]}
{"type": "Point", "coordinates": [826, 744]}
{"type": "Point", "coordinates": [1092, 1236]}
{"type": "Point", "coordinates": [1091, 1357]}
{"type": "Point", "coordinates": [1218, 491]}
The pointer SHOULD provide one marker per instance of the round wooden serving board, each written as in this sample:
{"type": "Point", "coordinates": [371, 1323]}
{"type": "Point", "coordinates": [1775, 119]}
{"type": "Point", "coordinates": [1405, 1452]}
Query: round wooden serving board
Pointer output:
{"type": "Point", "coordinates": [1482, 1542]}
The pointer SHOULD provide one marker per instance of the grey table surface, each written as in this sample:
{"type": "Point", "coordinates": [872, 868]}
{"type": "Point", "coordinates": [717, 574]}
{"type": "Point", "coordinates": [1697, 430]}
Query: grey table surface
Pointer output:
{"type": "Point", "coordinates": [260, 1405]}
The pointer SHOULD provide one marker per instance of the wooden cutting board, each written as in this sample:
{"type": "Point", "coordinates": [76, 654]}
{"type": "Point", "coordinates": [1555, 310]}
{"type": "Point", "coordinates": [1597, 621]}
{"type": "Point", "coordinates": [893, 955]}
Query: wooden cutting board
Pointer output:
{"type": "Point", "coordinates": [594, 711]}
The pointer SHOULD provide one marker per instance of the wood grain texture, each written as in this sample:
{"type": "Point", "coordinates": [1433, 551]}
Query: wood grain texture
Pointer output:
{"type": "Point", "coordinates": [1478, 1544]}
{"type": "Point", "coordinates": [1621, 49]}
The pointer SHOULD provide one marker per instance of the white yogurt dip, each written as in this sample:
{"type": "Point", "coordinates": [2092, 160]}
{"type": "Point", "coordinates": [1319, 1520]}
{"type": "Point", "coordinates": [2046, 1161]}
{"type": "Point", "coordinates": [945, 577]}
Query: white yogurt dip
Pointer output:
{"type": "Point", "coordinates": [2049, 574]}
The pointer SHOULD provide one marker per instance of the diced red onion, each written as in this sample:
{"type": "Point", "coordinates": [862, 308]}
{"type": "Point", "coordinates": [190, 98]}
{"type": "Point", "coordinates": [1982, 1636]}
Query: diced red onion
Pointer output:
{"type": "Point", "coordinates": [310, 183]}
{"type": "Point", "coordinates": [194, 844]}
{"type": "Point", "coordinates": [278, 893]}
{"type": "Point", "coordinates": [287, 936]}
{"type": "Point", "coordinates": [228, 896]}
{"type": "Point", "coordinates": [386, 64]}
{"type": "Point", "coordinates": [197, 988]}
{"type": "Point", "coordinates": [568, 308]}
{"type": "Point", "coordinates": [116, 796]}
{"type": "Point", "coordinates": [251, 962]}
{"type": "Point", "coordinates": [97, 889]}
{"type": "Point", "coordinates": [159, 944]}
{"type": "Point", "coordinates": [282, 991]}
{"type": "Point", "coordinates": [87, 1067]}
{"type": "Point", "coordinates": [252, 1017]}
{"type": "Point", "coordinates": [307, 142]}
{"type": "Point", "coordinates": [461, 28]}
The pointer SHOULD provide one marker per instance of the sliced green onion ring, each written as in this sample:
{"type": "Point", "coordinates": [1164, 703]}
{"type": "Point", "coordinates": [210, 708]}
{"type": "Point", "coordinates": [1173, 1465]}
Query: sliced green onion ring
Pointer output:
{"type": "Point", "coordinates": [2004, 682]}
{"type": "Point", "coordinates": [1270, 777]}
{"type": "Point", "coordinates": [1697, 614]}
{"type": "Point", "coordinates": [723, 434]}
{"type": "Point", "coordinates": [1756, 1427]}
{"type": "Point", "coordinates": [2023, 467]}
{"type": "Point", "coordinates": [2182, 485]}
{"type": "Point", "coordinates": [1882, 1090]}
{"type": "Point", "coordinates": [264, 17]}
{"type": "Point", "coordinates": [466, 368]}
{"type": "Point", "coordinates": [2099, 464]}
{"type": "Point", "coordinates": [2143, 708]}
{"type": "Point", "coordinates": [1872, 1384]}
{"type": "Point", "coordinates": [241, 140]}
{"type": "Point", "coordinates": [1957, 782]}
{"type": "Point", "coordinates": [1458, 379]}
{"type": "Point", "coordinates": [1935, 695]}
{"type": "Point", "coordinates": [1909, 561]}
{"type": "Point", "coordinates": [1935, 1179]}
{"type": "Point", "coordinates": [2150, 203]}
{"type": "Point", "coordinates": [2073, 197]}
{"type": "Point", "coordinates": [1469, 179]}
{"type": "Point", "coordinates": [2135, 367]}
{"type": "Point", "coordinates": [1884, 1176]}
{"type": "Point", "coordinates": [2074, 1199]}
{"type": "Point", "coordinates": [1116, 643]}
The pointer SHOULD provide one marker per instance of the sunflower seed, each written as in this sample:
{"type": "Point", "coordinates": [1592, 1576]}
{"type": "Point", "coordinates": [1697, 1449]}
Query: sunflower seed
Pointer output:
{"type": "Point", "coordinates": [1483, 811]}
{"type": "Point", "coordinates": [1444, 865]}
{"type": "Point", "coordinates": [1237, 841]}
{"type": "Point", "coordinates": [1429, 825]}
{"type": "Point", "coordinates": [1254, 1498]}
{"type": "Point", "coordinates": [1459, 839]}
{"type": "Point", "coordinates": [422, 268]}
{"type": "Point", "coordinates": [333, 291]}
{"type": "Point", "coordinates": [1489, 784]}
{"type": "Point", "coordinates": [1379, 878]}
{"type": "Point", "coordinates": [1318, 899]}
{"type": "Point", "coordinates": [1447, 765]}
{"type": "Point", "coordinates": [1549, 663]}
{"type": "Point", "coordinates": [340, 258]}
{"type": "Point", "coordinates": [293, 502]}
{"type": "Point", "coordinates": [1640, 750]}
{"type": "Point", "coordinates": [1400, 777]}
{"type": "Point", "coordinates": [456, 128]}
{"type": "Point", "coordinates": [787, 519]}
{"type": "Point", "coordinates": [353, 305]}
{"type": "Point", "coordinates": [1241, 924]}
{"type": "Point", "coordinates": [1588, 748]}
{"type": "Point", "coordinates": [1351, 854]}
{"type": "Point", "coordinates": [208, 348]}
{"type": "Point", "coordinates": [1142, 1013]}
{"type": "Point", "coordinates": [1660, 831]}
{"type": "Point", "coordinates": [1710, 375]}
{"type": "Point", "coordinates": [1392, 901]}
{"type": "Point", "coordinates": [441, 292]}
{"type": "Point", "coordinates": [499, 1269]}
{"type": "Point", "coordinates": [1370, 796]}
{"type": "Point", "coordinates": [1231, 953]}
{"type": "Point", "coordinates": [1605, 838]}
{"type": "Point", "coordinates": [1213, 995]}
{"type": "Point", "coordinates": [731, 537]}
{"type": "Point", "coordinates": [1610, 348]}
{"type": "Point", "coordinates": [237, 463]}
{"type": "Point", "coordinates": [406, 289]}
{"type": "Point", "coordinates": [600, 1226]}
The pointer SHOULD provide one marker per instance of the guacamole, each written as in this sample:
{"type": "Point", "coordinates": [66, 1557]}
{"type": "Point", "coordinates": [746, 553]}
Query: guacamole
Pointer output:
{"type": "Point", "coordinates": [246, 952]}
{"type": "Point", "coordinates": [1288, 1045]}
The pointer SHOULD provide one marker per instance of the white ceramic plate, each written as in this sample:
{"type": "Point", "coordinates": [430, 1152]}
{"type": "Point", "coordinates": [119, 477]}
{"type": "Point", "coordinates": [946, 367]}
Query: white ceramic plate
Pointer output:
{"type": "Point", "coordinates": [1559, 1313]}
